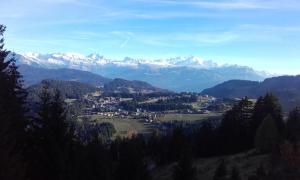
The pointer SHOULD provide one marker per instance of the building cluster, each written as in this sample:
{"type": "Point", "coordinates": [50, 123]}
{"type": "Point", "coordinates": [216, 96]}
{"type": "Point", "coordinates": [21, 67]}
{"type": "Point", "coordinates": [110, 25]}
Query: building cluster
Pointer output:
{"type": "Point", "coordinates": [109, 107]}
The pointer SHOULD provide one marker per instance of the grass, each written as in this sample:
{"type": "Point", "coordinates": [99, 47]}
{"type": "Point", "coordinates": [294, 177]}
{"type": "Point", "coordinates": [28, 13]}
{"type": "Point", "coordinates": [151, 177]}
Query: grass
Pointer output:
{"type": "Point", "coordinates": [187, 117]}
{"type": "Point", "coordinates": [123, 126]}
{"type": "Point", "coordinates": [70, 101]}
{"type": "Point", "coordinates": [247, 163]}
{"type": "Point", "coordinates": [128, 126]}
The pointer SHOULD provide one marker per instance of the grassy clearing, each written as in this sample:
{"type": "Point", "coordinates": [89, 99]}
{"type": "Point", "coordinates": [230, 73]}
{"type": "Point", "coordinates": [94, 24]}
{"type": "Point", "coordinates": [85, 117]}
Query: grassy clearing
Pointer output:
{"type": "Point", "coordinates": [70, 101]}
{"type": "Point", "coordinates": [123, 126]}
{"type": "Point", "coordinates": [128, 125]}
{"type": "Point", "coordinates": [247, 163]}
{"type": "Point", "coordinates": [187, 117]}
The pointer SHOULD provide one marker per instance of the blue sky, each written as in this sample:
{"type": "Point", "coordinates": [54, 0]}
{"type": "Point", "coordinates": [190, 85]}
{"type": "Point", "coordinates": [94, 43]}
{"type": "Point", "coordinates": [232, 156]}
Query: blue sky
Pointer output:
{"type": "Point", "coordinates": [263, 34]}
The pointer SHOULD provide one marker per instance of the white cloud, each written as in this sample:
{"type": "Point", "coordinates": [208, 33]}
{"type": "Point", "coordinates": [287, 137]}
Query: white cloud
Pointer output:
{"type": "Point", "coordinates": [287, 29]}
{"type": "Point", "coordinates": [232, 4]}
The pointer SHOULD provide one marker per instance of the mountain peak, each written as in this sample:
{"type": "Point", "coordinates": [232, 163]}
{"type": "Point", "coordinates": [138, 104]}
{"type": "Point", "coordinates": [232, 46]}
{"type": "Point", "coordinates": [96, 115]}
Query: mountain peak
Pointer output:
{"type": "Point", "coordinates": [31, 55]}
{"type": "Point", "coordinates": [70, 55]}
{"type": "Point", "coordinates": [72, 59]}
{"type": "Point", "coordinates": [95, 56]}
{"type": "Point", "coordinates": [190, 73]}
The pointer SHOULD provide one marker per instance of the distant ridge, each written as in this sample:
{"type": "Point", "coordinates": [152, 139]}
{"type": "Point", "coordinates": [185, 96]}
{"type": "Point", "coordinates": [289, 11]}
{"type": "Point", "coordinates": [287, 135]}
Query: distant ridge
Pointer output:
{"type": "Point", "coordinates": [34, 75]}
{"type": "Point", "coordinates": [286, 88]}
{"type": "Point", "coordinates": [68, 89]}
{"type": "Point", "coordinates": [124, 86]}
{"type": "Point", "coordinates": [177, 74]}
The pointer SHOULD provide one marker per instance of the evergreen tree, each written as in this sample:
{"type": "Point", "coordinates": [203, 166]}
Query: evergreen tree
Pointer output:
{"type": "Point", "coordinates": [185, 169]}
{"type": "Point", "coordinates": [258, 115]}
{"type": "Point", "coordinates": [268, 105]}
{"type": "Point", "coordinates": [267, 136]}
{"type": "Point", "coordinates": [132, 164]}
{"type": "Point", "coordinates": [221, 171]}
{"type": "Point", "coordinates": [51, 138]}
{"type": "Point", "coordinates": [261, 172]}
{"type": "Point", "coordinates": [97, 161]}
{"type": "Point", "coordinates": [235, 174]}
{"type": "Point", "coordinates": [207, 140]}
{"type": "Point", "coordinates": [178, 144]}
{"type": "Point", "coordinates": [234, 128]}
{"type": "Point", "coordinates": [293, 126]}
{"type": "Point", "coordinates": [12, 120]}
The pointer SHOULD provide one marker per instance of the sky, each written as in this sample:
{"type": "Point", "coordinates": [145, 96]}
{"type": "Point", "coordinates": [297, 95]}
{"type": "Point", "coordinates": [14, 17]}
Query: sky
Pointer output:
{"type": "Point", "coordinates": [263, 34]}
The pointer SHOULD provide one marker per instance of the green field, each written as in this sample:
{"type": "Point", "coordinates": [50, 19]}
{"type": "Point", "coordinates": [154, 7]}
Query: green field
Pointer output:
{"type": "Point", "coordinates": [187, 117]}
{"type": "Point", "coordinates": [128, 125]}
{"type": "Point", "coordinates": [70, 101]}
{"type": "Point", "coordinates": [123, 126]}
{"type": "Point", "coordinates": [247, 162]}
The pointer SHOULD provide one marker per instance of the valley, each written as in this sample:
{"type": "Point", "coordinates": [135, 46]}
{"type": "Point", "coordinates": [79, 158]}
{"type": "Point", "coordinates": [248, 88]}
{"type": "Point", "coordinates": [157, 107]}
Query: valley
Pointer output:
{"type": "Point", "coordinates": [179, 74]}
{"type": "Point", "coordinates": [149, 90]}
{"type": "Point", "coordinates": [139, 113]}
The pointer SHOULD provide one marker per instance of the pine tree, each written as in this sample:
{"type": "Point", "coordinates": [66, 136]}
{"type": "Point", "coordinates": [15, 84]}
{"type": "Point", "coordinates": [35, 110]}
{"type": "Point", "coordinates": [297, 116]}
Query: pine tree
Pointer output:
{"type": "Point", "coordinates": [273, 107]}
{"type": "Point", "coordinates": [235, 174]}
{"type": "Point", "coordinates": [258, 115]}
{"type": "Point", "coordinates": [234, 128]}
{"type": "Point", "coordinates": [12, 119]}
{"type": "Point", "coordinates": [132, 164]}
{"type": "Point", "coordinates": [268, 105]}
{"type": "Point", "coordinates": [221, 172]}
{"type": "Point", "coordinates": [97, 161]}
{"type": "Point", "coordinates": [267, 136]}
{"type": "Point", "coordinates": [52, 139]}
{"type": "Point", "coordinates": [207, 141]}
{"type": "Point", "coordinates": [293, 126]}
{"type": "Point", "coordinates": [185, 169]}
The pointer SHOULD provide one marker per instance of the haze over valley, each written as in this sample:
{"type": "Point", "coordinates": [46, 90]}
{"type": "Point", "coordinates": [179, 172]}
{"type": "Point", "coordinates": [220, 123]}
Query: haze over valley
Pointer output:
{"type": "Point", "coordinates": [149, 90]}
{"type": "Point", "coordinates": [191, 74]}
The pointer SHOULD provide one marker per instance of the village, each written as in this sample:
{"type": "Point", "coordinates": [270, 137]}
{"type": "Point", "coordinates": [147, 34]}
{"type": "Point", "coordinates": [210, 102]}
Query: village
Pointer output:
{"type": "Point", "coordinates": [112, 106]}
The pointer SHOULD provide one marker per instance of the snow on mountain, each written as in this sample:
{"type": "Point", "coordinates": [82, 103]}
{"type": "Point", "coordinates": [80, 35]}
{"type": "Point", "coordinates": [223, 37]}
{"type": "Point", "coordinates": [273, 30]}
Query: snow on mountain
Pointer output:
{"type": "Point", "coordinates": [177, 74]}
{"type": "Point", "coordinates": [75, 60]}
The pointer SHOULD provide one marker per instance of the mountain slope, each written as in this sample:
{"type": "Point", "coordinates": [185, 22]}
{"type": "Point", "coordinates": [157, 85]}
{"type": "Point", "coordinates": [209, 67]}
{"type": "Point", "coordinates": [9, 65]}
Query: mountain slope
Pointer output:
{"type": "Point", "coordinates": [233, 88]}
{"type": "Point", "coordinates": [68, 89]}
{"type": "Point", "coordinates": [177, 74]}
{"type": "Point", "coordinates": [125, 86]}
{"type": "Point", "coordinates": [286, 88]}
{"type": "Point", "coordinates": [33, 75]}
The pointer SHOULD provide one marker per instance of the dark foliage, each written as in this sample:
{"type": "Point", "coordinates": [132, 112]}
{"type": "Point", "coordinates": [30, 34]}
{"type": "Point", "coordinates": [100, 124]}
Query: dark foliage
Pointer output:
{"type": "Point", "coordinates": [267, 136]}
{"type": "Point", "coordinates": [34, 75]}
{"type": "Point", "coordinates": [12, 118]}
{"type": "Point", "coordinates": [49, 146]}
{"type": "Point", "coordinates": [235, 174]}
{"type": "Point", "coordinates": [67, 89]}
{"type": "Point", "coordinates": [221, 171]}
{"type": "Point", "coordinates": [284, 87]}
{"type": "Point", "coordinates": [293, 126]}
{"type": "Point", "coordinates": [235, 129]}
{"type": "Point", "coordinates": [131, 87]}
{"type": "Point", "coordinates": [185, 169]}
{"type": "Point", "coordinates": [159, 106]}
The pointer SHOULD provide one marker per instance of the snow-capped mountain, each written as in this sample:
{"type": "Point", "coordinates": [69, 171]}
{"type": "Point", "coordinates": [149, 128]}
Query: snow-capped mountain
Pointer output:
{"type": "Point", "coordinates": [75, 60]}
{"type": "Point", "coordinates": [177, 74]}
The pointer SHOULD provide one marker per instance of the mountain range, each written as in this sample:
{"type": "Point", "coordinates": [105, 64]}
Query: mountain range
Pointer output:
{"type": "Point", "coordinates": [286, 88]}
{"type": "Point", "coordinates": [124, 86]}
{"type": "Point", "coordinates": [176, 74]}
{"type": "Point", "coordinates": [33, 75]}
{"type": "Point", "coordinates": [67, 89]}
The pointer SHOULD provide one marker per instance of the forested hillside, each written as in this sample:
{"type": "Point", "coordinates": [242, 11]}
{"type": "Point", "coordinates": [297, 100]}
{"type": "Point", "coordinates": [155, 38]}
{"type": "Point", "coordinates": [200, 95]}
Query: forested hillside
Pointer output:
{"type": "Point", "coordinates": [33, 75]}
{"type": "Point", "coordinates": [126, 86]}
{"type": "Point", "coordinates": [286, 88]}
{"type": "Point", "coordinates": [49, 145]}
{"type": "Point", "coordinates": [67, 89]}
